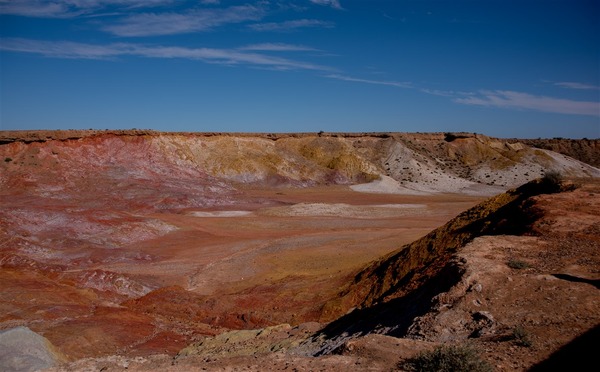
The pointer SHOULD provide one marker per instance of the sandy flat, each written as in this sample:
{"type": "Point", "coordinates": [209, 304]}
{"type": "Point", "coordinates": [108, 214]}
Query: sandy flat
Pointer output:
{"type": "Point", "coordinates": [221, 213]}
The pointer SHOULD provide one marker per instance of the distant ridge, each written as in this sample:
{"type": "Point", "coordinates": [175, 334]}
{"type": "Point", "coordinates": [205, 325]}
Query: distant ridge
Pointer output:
{"type": "Point", "coordinates": [398, 162]}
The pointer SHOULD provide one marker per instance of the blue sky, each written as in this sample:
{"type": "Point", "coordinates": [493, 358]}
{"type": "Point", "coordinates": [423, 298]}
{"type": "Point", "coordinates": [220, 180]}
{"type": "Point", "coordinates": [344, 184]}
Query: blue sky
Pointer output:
{"type": "Point", "coordinates": [499, 67]}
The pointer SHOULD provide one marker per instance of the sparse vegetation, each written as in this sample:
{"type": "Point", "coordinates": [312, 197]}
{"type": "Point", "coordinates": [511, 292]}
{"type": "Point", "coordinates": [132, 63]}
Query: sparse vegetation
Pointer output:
{"type": "Point", "coordinates": [521, 336]}
{"type": "Point", "coordinates": [517, 264]}
{"type": "Point", "coordinates": [552, 181]}
{"type": "Point", "coordinates": [7, 160]}
{"type": "Point", "coordinates": [553, 176]}
{"type": "Point", "coordinates": [448, 359]}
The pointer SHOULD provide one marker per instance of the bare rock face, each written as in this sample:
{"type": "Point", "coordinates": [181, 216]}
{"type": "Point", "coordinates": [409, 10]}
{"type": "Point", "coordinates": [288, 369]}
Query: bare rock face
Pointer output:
{"type": "Point", "coordinates": [519, 291]}
{"type": "Point", "coordinates": [22, 350]}
{"type": "Point", "coordinates": [585, 150]}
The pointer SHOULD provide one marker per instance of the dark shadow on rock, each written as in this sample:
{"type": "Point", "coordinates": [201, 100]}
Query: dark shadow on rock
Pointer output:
{"type": "Point", "coordinates": [581, 354]}
{"type": "Point", "coordinates": [576, 279]}
{"type": "Point", "coordinates": [391, 292]}
{"type": "Point", "coordinates": [393, 317]}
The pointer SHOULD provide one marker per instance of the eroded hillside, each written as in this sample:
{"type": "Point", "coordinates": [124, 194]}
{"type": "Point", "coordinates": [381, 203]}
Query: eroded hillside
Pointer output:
{"type": "Point", "coordinates": [403, 163]}
{"type": "Point", "coordinates": [585, 150]}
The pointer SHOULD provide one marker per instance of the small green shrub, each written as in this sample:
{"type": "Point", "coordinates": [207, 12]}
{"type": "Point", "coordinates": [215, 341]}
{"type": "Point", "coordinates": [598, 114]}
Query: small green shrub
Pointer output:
{"type": "Point", "coordinates": [521, 336]}
{"type": "Point", "coordinates": [552, 181]}
{"type": "Point", "coordinates": [448, 359]}
{"type": "Point", "coordinates": [517, 264]}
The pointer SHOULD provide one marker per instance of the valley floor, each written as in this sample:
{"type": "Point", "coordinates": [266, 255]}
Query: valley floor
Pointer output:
{"type": "Point", "coordinates": [522, 302]}
{"type": "Point", "coordinates": [274, 256]}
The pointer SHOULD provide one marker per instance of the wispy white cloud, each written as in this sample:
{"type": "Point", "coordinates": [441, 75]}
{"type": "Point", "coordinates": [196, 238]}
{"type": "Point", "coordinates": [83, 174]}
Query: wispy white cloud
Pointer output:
{"type": "Point", "coordinates": [332, 3]}
{"type": "Point", "coordinates": [573, 85]}
{"type": "Point", "coordinates": [291, 25]}
{"type": "Point", "coordinates": [397, 84]}
{"type": "Point", "coordinates": [152, 24]}
{"type": "Point", "coordinates": [278, 47]}
{"type": "Point", "coordinates": [38, 9]}
{"type": "Point", "coordinates": [122, 3]}
{"type": "Point", "coordinates": [69, 8]}
{"type": "Point", "coordinates": [65, 49]}
{"type": "Point", "coordinates": [163, 22]}
{"type": "Point", "coordinates": [438, 92]}
{"type": "Point", "coordinates": [526, 101]}
{"type": "Point", "coordinates": [73, 50]}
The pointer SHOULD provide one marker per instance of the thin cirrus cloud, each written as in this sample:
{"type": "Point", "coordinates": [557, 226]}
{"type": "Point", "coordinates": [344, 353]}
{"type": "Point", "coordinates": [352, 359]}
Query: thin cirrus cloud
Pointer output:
{"type": "Point", "coordinates": [574, 85]}
{"type": "Point", "coordinates": [397, 84]}
{"type": "Point", "coordinates": [499, 98]}
{"type": "Point", "coordinates": [161, 23]}
{"type": "Point", "coordinates": [526, 101]}
{"type": "Point", "coordinates": [332, 3]}
{"type": "Point", "coordinates": [74, 50]}
{"type": "Point", "coordinates": [38, 9]}
{"type": "Point", "coordinates": [64, 49]}
{"type": "Point", "coordinates": [291, 25]}
{"type": "Point", "coordinates": [278, 47]}
{"type": "Point", "coordinates": [154, 24]}
{"type": "Point", "coordinates": [439, 92]}
{"type": "Point", "coordinates": [69, 8]}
